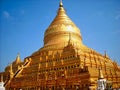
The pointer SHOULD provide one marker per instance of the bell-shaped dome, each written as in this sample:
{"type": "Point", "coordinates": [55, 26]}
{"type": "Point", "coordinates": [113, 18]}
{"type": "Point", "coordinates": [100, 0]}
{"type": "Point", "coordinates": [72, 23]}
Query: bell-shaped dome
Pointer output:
{"type": "Point", "coordinates": [58, 32]}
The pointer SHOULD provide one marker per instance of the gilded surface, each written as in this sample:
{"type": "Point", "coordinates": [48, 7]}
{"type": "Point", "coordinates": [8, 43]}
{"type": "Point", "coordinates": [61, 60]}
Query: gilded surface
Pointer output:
{"type": "Point", "coordinates": [60, 28]}
{"type": "Point", "coordinates": [63, 63]}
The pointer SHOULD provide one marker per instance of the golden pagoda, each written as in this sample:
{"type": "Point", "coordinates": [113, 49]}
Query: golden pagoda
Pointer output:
{"type": "Point", "coordinates": [63, 63]}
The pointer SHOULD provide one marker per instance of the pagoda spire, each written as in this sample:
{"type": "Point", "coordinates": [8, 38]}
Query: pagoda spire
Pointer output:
{"type": "Point", "coordinates": [100, 74]}
{"type": "Point", "coordinates": [101, 81]}
{"type": "Point", "coordinates": [61, 4]}
{"type": "Point", "coordinates": [105, 55]}
{"type": "Point", "coordinates": [61, 10]}
{"type": "Point", "coordinates": [18, 59]}
{"type": "Point", "coordinates": [18, 56]}
{"type": "Point", "coordinates": [60, 26]}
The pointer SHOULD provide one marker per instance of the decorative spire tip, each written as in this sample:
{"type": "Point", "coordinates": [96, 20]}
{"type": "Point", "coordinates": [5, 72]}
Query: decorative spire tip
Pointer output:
{"type": "Point", "coordinates": [100, 74]}
{"type": "Point", "coordinates": [61, 4]}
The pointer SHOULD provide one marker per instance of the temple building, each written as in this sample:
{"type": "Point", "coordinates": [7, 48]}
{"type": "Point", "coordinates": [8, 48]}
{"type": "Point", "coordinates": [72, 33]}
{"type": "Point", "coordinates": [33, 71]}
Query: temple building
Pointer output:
{"type": "Point", "coordinates": [63, 63]}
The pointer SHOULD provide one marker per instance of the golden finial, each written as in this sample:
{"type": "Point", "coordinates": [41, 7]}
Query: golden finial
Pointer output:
{"type": "Point", "coordinates": [61, 4]}
{"type": "Point", "coordinates": [18, 58]}
{"type": "Point", "coordinates": [105, 55]}
{"type": "Point", "coordinates": [100, 74]}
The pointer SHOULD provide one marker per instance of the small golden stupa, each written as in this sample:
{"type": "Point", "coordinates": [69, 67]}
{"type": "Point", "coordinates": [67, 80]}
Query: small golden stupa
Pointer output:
{"type": "Point", "coordinates": [63, 63]}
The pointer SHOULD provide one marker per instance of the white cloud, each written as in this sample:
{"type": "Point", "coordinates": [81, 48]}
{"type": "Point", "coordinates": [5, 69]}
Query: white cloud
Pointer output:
{"type": "Point", "coordinates": [6, 14]}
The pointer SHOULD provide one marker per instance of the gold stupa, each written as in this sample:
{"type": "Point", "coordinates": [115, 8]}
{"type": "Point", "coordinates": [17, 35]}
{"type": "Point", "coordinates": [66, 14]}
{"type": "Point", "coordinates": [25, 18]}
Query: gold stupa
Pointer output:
{"type": "Point", "coordinates": [58, 32]}
{"type": "Point", "coordinates": [63, 63]}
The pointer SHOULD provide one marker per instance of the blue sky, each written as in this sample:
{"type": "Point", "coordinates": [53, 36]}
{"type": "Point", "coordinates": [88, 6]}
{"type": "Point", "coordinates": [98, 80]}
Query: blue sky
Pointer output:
{"type": "Point", "coordinates": [23, 23]}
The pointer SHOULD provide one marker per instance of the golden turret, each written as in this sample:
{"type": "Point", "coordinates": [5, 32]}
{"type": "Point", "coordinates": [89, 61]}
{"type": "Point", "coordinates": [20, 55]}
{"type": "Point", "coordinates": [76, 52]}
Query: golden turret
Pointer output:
{"type": "Point", "coordinates": [100, 74]}
{"type": "Point", "coordinates": [58, 32]}
{"type": "Point", "coordinates": [18, 60]}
